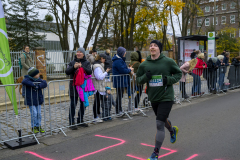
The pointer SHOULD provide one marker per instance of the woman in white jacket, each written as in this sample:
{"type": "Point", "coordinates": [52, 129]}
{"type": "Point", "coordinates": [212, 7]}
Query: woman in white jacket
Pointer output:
{"type": "Point", "coordinates": [99, 75]}
{"type": "Point", "coordinates": [186, 68]}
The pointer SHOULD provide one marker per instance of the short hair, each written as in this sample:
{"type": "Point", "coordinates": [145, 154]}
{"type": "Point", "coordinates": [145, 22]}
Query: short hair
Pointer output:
{"type": "Point", "coordinates": [108, 51]}
{"type": "Point", "coordinates": [99, 57]}
{"type": "Point", "coordinates": [24, 47]}
{"type": "Point", "coordinates": [227, 53]}
{"type": "Point", "coordinates": [198, 52]}
{"type": "Point", "coordinates": [220, 57]}
{"type": "Point", "coordinates": [90, 52]}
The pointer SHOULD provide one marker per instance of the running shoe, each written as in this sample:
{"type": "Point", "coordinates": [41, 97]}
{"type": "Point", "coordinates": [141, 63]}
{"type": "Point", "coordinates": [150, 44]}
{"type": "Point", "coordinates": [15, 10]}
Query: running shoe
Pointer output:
{"type": "Point", "coordinates": [35, 130]}
{"type": "Point", "coordinates": [154, 156]}
{"type": "Point", "coordinates": [174, 135]}
{"type": "Point", "coordinates": [41, 130]}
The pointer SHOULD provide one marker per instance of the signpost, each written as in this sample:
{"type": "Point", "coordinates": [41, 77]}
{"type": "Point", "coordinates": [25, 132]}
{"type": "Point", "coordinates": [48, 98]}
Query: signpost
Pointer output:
{"type": "Point", "coordinates": [211, 44]}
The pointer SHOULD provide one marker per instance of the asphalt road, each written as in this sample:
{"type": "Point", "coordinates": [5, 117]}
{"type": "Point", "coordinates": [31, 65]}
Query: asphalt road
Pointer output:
{"type": "Point", "coordinates": [208, 130]}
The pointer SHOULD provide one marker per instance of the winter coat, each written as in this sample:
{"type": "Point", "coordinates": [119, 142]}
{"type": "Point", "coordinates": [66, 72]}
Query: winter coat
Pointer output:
{"type": "Point", "coordinates": [26, 63]}
{"type": "Point", "coordinates": [99, 74]}
{"type": "Point", "coordinates": [134, 61]}
{"type": "Point", "coordinates": [71, 71]}
{"type": "Point", "coordinates": [108, 62]}
{"type": "Point", "coordinates": [199, 67]}
{"type": "Point", "coordinates": [184, 68]}
{"type": "Point", "coordinates": [222, 68]}
{"type": "Point", "coordinates": [120, 68]}
{"type": "Point", "coordinates": [108, 101]}
{"type": "Point", "coordinates": [83, 95]}
{"type": "Point", "coordinates": [34, 96]}
{"type": "Point", "coordinates": [89, 87]}
{"type": "Point", "coordinates": [90, 58]}
{"type": "Point", "coordinates": [78, 78]}
{"type": "Point", "coordinates": [164, 66]}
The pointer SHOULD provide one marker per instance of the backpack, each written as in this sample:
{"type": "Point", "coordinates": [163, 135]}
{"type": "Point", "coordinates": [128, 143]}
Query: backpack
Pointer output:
{"type": "Point", "coordinates": [19, 60]}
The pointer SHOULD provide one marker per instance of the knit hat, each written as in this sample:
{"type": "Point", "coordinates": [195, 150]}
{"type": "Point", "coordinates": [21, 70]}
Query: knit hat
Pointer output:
{"type": "Point", "coordinates": [32, 71]}
{"type": "Point", "coordinates": [107, 88]}
{"type": "Point", "coordinates": [81, 50]}
{"type": "Point", "coordinates": [103, 55]}
{"type": "Point", "coordinates": [158, 43]}
{"type": "Point", "coordinates": [121, 51]}
{"type": "Point", "coordinates": [220, 57]}
{"type": "Point", "coordinates": [194, 50]}
{"type": "Point", "coordinates": [214, 59]}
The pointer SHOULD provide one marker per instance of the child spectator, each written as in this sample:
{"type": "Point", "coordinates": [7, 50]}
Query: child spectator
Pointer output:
{"type": "Point", "coordinates": [34, 97]}
{"type": "Point", "coordinates": [107, 104]}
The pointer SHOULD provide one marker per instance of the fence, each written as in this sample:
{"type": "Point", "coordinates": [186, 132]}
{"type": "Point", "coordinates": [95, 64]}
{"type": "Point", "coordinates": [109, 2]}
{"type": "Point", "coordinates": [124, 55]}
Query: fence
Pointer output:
{"type": "Point", "coordinates": [58, 112]}
{"type": "Point", "coordinates": [14, 59]}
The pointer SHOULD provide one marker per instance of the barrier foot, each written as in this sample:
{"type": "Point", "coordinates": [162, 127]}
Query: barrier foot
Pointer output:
{"type": "Point", "coordinates": [142, 112]}
{"type": "Point", "coordinates": [63, 132]}
{"type": "Point", "coordinates": [21, 142]}
{"type": "Point", "coordinates": [125, 113]}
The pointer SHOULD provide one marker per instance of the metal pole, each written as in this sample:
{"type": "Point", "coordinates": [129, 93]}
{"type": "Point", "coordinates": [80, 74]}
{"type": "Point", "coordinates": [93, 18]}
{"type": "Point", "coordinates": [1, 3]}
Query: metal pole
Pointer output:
{"type": "Point", "coordinates": [215, 53]}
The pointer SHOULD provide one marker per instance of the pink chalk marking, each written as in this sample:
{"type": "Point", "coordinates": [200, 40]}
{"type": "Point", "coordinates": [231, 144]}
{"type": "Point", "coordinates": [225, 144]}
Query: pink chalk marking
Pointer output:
{"type": "Point", "coordinates": [37, 155]}
{"type": "Point", "coordinates": [103, 149]}
{"type": "Point", "coordinates": [193, 156]}
{"type": "Point", "coordinates": [164, 155]}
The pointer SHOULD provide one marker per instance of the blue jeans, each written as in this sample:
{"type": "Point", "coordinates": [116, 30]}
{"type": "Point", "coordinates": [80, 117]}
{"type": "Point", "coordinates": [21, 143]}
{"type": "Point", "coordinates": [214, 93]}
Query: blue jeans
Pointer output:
{"type": "Point", "coordinates": [196, 88]}
{"type": "Point", "coordinates": [221, 80]}
{"type": "Point", "coordinates": [36, 117]}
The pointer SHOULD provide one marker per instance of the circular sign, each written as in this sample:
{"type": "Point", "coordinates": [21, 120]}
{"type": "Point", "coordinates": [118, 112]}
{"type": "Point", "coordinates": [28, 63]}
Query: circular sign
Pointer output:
{"type": "Point", "coordinates": [211, 34]}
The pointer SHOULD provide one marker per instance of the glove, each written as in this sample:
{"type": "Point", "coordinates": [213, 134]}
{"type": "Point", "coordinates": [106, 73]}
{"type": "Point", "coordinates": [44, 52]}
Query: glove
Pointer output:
{"type": "Point", "coordinates": [149, 75]}
{"type": "Point", "coordinates": [36, 86]}
{"type": "Point", "coordinates": [165, 81]}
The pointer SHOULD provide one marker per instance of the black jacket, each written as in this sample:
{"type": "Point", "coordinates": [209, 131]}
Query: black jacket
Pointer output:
{"type": "Point", "coordinates": [71, 71]}
{"type": "Point", "coordinates": [108, 62]}
{"type": "Point", "coordinates": [193, 55]}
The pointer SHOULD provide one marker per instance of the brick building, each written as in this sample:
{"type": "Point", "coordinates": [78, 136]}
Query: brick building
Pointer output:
{"type": "Point", "coordinates": [227, 15]}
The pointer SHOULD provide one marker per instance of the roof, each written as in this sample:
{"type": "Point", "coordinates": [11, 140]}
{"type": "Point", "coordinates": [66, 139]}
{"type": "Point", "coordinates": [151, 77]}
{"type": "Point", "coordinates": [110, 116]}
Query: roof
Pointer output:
{"type": "Point", "coordinates": [196, 38]}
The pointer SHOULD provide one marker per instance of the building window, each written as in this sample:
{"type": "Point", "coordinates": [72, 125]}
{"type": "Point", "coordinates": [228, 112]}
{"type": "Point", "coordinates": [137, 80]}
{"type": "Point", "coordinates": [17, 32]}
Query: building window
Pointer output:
{"type": "Point", "coordinates": [232, 19]}
{"type": "Point", "coordinates": [207, 22]}
{"type": "Point", "coordinates": [216, 8]}
{"type": "Point", "coordinates": [223, 19]}
{"type": "Point", "coordinates": [224, 6]}
{"type": "Point", "coordinates": [233, 5]}
{"type": "Point", "coordinates": [207, 9]}
{"type": "Point", "coordinates": [188, 32]}
{"type": "Point", "coordinates": [199, 23]}
{"type": "Point", "coordinates": [216, 20]}
{"type": "Point", "coordinates": [232, 35]}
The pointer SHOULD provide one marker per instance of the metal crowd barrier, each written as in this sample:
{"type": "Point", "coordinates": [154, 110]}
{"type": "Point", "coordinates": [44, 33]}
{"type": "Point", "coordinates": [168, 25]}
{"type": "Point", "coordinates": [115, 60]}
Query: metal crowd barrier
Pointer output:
{"type": "Point", "coordinates": [56, 108]}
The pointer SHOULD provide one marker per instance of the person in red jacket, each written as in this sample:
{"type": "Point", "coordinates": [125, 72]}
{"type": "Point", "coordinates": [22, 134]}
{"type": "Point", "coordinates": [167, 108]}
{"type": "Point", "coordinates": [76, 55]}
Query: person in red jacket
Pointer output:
{"type": "Point", "coordinates": [196, 73]}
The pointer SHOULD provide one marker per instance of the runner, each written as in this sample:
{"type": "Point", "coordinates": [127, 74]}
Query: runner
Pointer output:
{"type": "Point", "coordinates": [160, 73]}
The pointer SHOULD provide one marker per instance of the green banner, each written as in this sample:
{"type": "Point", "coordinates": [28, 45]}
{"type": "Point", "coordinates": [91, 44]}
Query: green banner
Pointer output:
{"type": "Point", "coordinates": [6, 70]}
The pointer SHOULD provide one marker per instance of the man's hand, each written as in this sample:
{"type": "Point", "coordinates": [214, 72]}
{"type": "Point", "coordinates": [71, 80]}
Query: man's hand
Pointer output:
{"type": "Point", "coordinates": [204, 66]}
{"type": "Point", "coordinates": [108, 69]}
{"type": "Point", "coordinates": [76, 65]}
{"type": "Point", "coordinates": [79, 65]}
{"type": "Point", "coordinates": [132, 69]}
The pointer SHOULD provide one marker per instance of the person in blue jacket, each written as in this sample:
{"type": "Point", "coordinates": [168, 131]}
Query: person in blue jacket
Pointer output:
{"type": "Point", "coordinates": [121, 79]}
{"type": "Point", "coordinates": [34, 97]}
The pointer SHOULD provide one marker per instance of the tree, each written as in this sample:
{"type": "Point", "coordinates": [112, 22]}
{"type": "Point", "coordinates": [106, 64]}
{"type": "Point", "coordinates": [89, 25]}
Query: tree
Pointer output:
{"type": "Point", "coordinates": [227, 40]}
{"type": "Point", "coordinates": [22, 24]}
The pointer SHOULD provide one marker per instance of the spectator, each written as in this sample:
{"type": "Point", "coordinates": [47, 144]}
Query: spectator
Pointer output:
{"type": "Point", "coordinates": [193, 54]}
{"type": "Point", "coordinates": [205, 74]}
{"type": "Point", "coordinates": [206, 56]}
{"type": "Point", "coordinates": [107, 104]}
{"type": "Point", "coordinates": [91, 56]}
{"type": "Point", "coordinates": [186, 68]}
{"type": "Point", "coordinates": [234, 73]}
{"type": "Point", "coordinates": [196, 73]}
{"type": "Point", "coordinates": [79, 61]}
{"type": "Point", "coordinates": [34, 97]}
{"type": "Point", "coordinates": [212, 74]}
{"type": "Point", "coordinates": [26, 62]}
{"type": "Point", "coordinates": [108, 63]}
{"type": "Point", "coordinates": [136, 60]}
{"type": "Point", "coordinates": [224, 52]}
{"type": "Point", "coordinates": [226, 59]}
{"type": "Point", "coordinates": [120, 82]}
{"type": "Point", "coordinates": [222, 71]}
{"type": "Point", "coordinates": [99, 83]}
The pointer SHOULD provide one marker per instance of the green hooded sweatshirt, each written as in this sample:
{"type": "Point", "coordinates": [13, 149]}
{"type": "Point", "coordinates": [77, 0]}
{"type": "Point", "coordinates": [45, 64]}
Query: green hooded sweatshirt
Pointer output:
{"type": "Point", "coordinates": [134, 61]}
{"type": "Point", "coordinates": [162, 66]}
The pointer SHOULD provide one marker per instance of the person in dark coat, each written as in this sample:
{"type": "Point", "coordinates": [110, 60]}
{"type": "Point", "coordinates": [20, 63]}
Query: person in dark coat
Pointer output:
{"type": "Point", "coordinates": [79, 61]}
{"type": "Point", "coordinates": [108, 63]}
{"type": "Point", "coordinates": [107, 104]}
{"type": "Point", "coordinates": [224, 52]}
{"type": "Point", "coordinates": [121, 79]}
{"type": "Point", "coordinates": [34, 97]}
{"type": "Point", "coordinates": [222, 71]}
{"type": "Point", "coordinates": [234, 73]}
{"type": "Point", "coordinates": [212, 74]}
